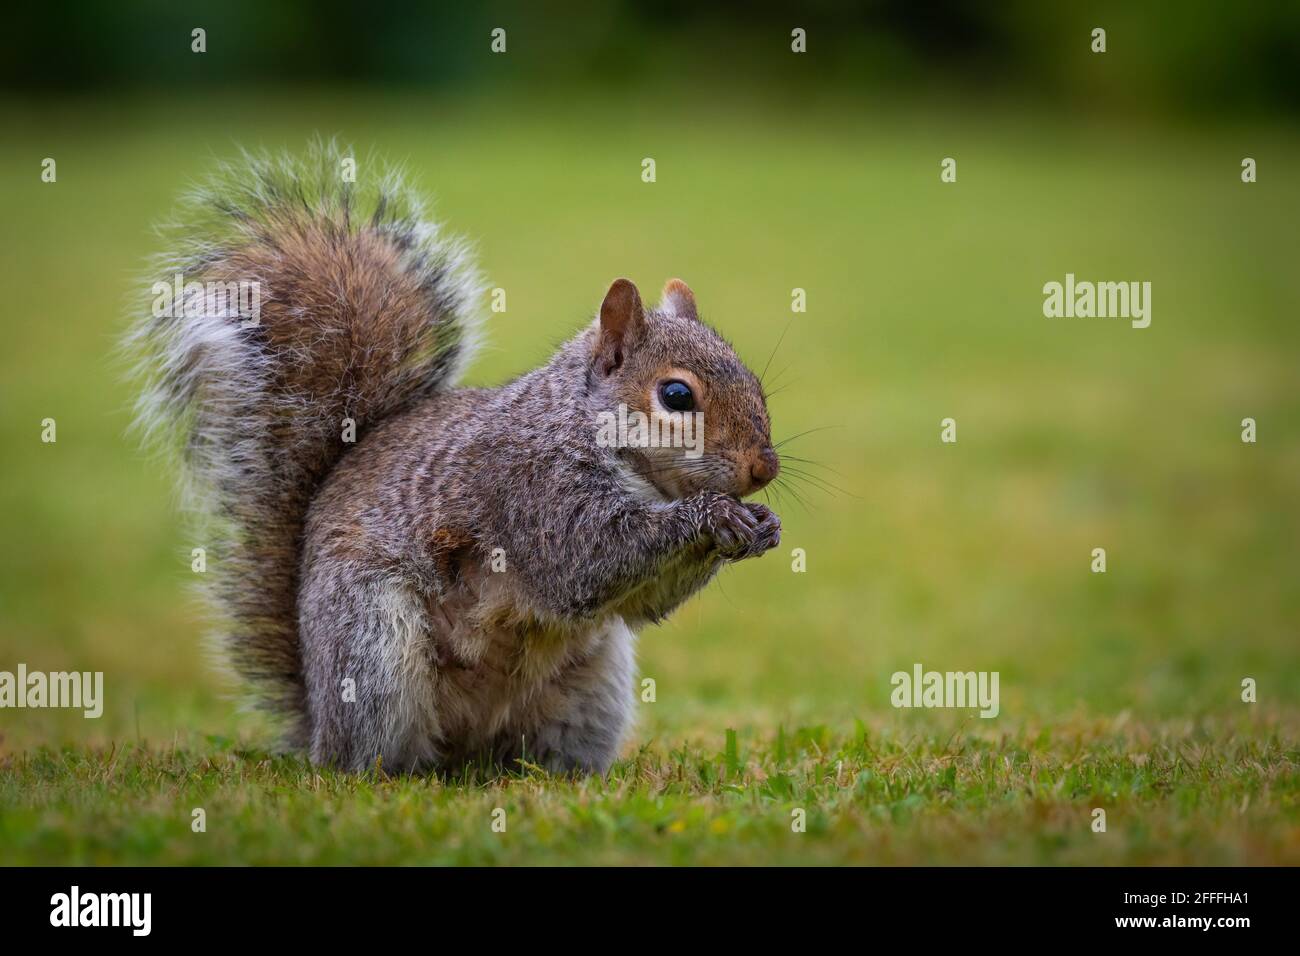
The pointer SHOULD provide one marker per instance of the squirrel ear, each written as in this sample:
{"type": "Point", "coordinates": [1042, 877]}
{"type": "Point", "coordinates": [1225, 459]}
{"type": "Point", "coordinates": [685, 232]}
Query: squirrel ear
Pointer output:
{"type": "Point", "coordinates": [621, 318]}
{"type": "Point", "coordinates": [679, 299]}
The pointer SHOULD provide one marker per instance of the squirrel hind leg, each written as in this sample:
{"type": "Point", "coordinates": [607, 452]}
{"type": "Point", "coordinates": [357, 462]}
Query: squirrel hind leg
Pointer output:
{"type": "Point", "coordinates": [588, 712]}
{"type": "Point", "coordinates": [369, 673]}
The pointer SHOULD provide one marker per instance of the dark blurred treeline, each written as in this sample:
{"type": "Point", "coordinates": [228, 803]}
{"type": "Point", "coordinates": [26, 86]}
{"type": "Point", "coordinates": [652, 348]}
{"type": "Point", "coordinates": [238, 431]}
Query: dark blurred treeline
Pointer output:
{"type": "Point", "coordinates": [1180, 56]}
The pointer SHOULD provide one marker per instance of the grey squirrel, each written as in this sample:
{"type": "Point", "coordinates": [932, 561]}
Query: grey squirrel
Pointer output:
{"type": "Point", "coordinates": [464, 580]}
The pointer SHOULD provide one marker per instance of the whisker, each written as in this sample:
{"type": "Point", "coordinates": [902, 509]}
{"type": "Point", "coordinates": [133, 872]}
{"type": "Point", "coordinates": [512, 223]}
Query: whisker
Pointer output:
{"type": "Point", "coordinates": [687, 466]}
{"type": "Point", "coordinates": [804, 485]}
{"type": "Point", "coordinates": [789, 489]}
{"type": "Point", "coordinates": [821, 428]}
{"type": "Point", "coordinates": [815, 464]}
{"type": "Point", "coordinates": [768, 363]}
{"type": "Point", "coordinates": [806, 461]}
{"type": "Point", "coordinates": [819, 482]}
{"type": "Point", "coordinates": [779, 490]}
{"type": "Point", "coordinates": [777, 377]}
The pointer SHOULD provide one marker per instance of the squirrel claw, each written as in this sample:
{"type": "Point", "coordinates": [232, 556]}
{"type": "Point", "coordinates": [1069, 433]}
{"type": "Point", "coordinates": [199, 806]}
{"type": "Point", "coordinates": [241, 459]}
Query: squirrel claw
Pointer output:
{"type": "Point", "coordinates": [768, 533]}
{"type": "Point", "coordinates": [741, 530]}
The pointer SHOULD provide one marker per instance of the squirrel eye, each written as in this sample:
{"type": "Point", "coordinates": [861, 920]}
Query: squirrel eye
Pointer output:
{"type": "Point", "coordinates": [676, 396]}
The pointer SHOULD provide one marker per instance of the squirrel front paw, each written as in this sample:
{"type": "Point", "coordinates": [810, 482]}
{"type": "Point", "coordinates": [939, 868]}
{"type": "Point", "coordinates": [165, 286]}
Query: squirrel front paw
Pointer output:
{"type": "Point", "coordinates": [740, 530]}
{"type": "Point", "coordinates": [769, 529]}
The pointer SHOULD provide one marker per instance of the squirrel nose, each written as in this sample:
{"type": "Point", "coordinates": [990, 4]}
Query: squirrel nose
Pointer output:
{"type": "Point", "coordinates": [764, 468]}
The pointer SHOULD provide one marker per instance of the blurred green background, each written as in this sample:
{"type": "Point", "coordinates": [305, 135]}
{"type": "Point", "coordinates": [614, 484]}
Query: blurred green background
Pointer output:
{"type": "Point", "coordinates": [774, 171]}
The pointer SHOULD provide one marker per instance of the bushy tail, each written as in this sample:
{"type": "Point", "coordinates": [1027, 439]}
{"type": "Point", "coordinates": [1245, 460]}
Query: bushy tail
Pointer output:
{"type": "Point", "coordinates": [305, 301]}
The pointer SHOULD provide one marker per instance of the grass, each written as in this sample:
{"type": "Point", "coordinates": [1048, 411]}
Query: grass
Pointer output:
{"type": "Point", "coordinates": [1172, 794]}
{"type": "Point", "coordinates": [1119, 690]}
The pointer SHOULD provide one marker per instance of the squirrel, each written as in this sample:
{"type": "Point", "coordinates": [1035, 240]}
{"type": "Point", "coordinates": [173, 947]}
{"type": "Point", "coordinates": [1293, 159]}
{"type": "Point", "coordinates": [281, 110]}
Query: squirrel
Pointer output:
{"type": "Point", "coordinates": [463, 581]}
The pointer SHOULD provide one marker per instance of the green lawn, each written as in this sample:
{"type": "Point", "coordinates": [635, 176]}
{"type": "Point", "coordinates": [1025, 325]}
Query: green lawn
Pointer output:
{"type": "Point", "coordinates": [1119, 691]}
